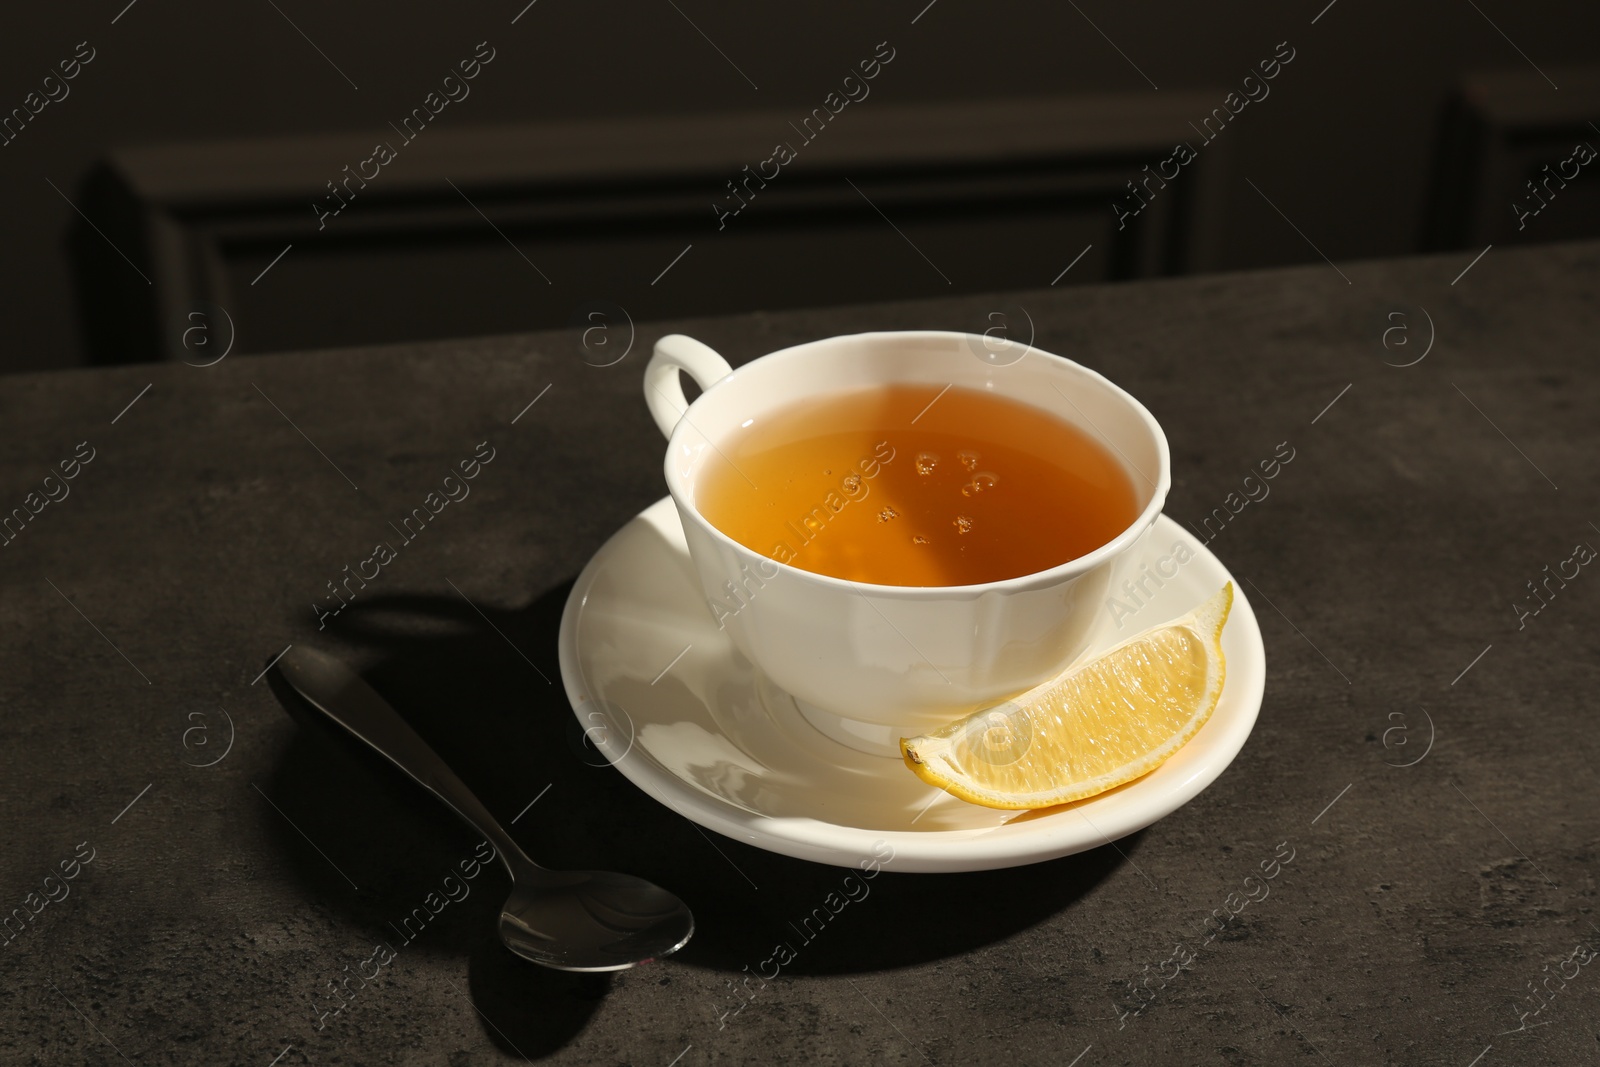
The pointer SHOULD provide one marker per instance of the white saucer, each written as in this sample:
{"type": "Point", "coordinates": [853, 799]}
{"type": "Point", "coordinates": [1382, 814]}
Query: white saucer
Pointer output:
{"type": "Point", "coordinates": [665, 696]}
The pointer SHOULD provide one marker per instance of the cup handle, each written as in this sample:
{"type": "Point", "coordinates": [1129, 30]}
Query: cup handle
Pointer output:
{"type": "Point", "coordinates": [663, 391]}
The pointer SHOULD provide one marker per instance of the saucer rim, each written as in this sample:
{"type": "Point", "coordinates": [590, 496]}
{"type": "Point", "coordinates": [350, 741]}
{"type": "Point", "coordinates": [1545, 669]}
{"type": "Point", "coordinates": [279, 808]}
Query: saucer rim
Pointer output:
{"type": "Point", "coordinates": [932, 851]}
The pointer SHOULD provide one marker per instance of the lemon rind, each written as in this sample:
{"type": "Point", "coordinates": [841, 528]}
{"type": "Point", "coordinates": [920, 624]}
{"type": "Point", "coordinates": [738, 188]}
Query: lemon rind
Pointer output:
{"type": "Point", "coordinates": [1207, 620]}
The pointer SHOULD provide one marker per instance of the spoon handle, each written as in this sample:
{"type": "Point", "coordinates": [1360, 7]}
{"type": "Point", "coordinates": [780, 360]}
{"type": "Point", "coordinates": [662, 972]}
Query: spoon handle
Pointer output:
{"type": "Point", "coordinates": [332, 688]}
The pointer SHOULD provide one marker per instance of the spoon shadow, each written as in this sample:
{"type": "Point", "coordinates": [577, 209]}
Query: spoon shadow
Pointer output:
{"type": "Point", "coordinates": [485, 693]}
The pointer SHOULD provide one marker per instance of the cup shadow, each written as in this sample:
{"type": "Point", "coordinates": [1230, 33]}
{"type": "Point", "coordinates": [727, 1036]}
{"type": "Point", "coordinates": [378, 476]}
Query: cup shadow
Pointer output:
{"type": "Point", "coordinates": [484, 692]}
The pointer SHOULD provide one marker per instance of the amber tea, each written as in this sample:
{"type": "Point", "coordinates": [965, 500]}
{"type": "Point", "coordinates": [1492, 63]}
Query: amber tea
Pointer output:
{"type": "Point", "coordinates": [916, 485]}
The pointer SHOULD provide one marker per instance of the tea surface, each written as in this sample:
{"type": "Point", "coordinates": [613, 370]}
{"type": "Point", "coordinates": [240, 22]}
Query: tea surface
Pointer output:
{"type": "Point", "coordinates": [908, 485]}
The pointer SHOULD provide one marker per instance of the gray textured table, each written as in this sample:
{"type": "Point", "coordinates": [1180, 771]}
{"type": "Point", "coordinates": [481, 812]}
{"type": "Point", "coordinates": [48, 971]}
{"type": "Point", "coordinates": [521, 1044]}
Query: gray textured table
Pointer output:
{"type": "Point", "coordinates": [211, 909]}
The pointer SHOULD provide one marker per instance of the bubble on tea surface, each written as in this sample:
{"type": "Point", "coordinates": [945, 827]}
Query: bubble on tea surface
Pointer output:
{"type": "Point", "coordinates": [968, 458]}
{"type": "Point", "coordinates": [963, 524]}
{"type": "Point", "coordinates": [852, 482]}
{"type": "Point", "coordinates": [919, 540]}
{"type": "Point", "coordinates": [828, 471]}
{"type": "Point", "coordinates": [981, 482]}
{"type": "Point", "coordinates": [926, 462]}
{"type": "Point", "coordinates": [886, 514]}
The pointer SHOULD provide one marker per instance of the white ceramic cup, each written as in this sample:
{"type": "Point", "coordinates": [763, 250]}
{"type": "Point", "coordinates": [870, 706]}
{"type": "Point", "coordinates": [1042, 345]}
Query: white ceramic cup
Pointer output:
{"type": "Point", "coordinates": [870, 664]}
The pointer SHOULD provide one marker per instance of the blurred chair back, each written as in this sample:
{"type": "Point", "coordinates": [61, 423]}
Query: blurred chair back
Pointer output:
{"type": "Point", "coordinates": [411, 234]}
{"type": "Point", "coordinates": [1517, 161]}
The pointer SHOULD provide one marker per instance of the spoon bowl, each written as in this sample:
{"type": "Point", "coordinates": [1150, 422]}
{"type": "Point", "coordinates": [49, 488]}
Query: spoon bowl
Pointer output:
{"type": "Point", "coordinates": [566, 920]}
{"type": "Point", "coordinates": [605, 922]}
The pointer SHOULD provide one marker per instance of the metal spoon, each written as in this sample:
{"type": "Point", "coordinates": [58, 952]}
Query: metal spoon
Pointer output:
{"type": "Point", "coordinates": [568, 920]}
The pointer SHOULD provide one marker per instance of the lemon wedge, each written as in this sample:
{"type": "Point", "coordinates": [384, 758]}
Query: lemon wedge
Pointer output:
{"type": "Point", "coordinates": [1091, 728]}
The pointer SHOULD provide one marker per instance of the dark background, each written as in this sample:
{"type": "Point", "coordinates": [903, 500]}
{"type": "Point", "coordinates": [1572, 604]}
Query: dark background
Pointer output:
{"type": "Point", "coordinates": [1347, 144]}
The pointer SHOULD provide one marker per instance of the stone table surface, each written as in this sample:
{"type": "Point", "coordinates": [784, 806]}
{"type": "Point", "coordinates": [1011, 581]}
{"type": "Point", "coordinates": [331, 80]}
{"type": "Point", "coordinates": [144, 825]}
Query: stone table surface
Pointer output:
{"type": "Point", "coordinates": [189, 873]}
